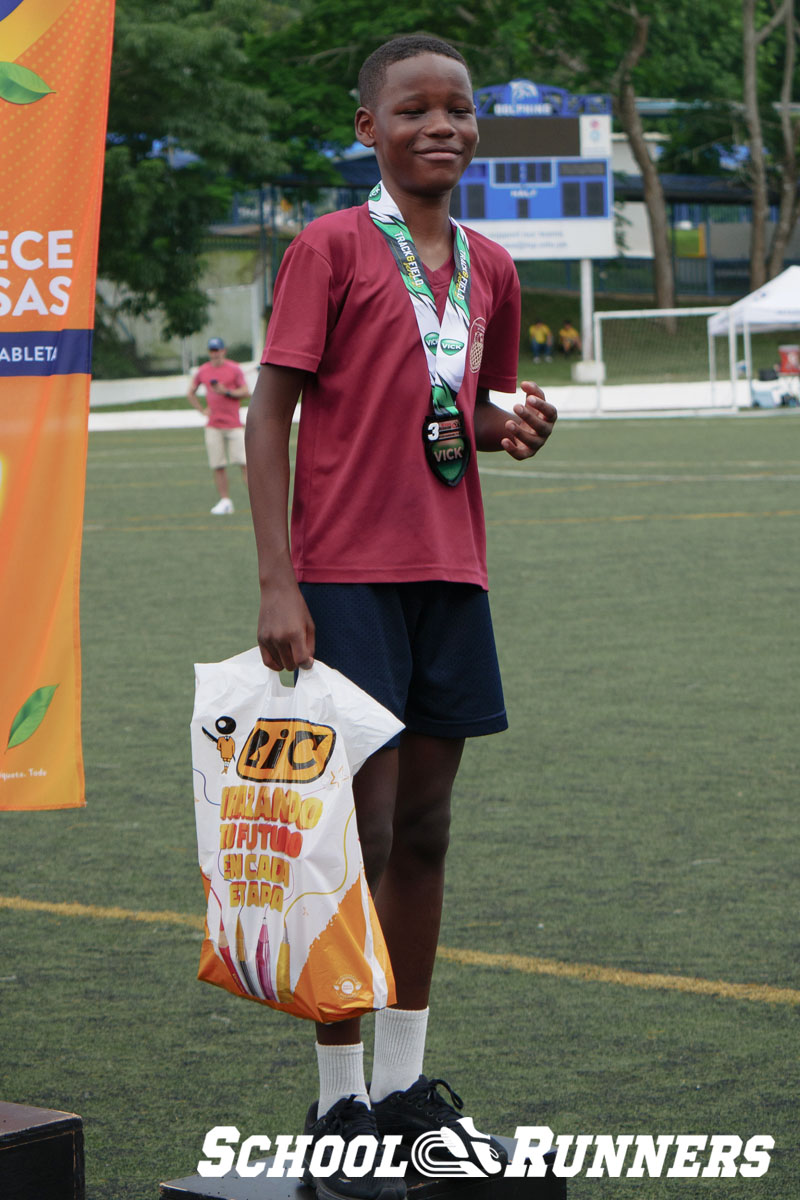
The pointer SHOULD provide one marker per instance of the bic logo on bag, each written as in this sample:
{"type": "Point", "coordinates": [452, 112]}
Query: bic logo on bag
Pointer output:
{"type": "Point", "coordinates": [292, 751]}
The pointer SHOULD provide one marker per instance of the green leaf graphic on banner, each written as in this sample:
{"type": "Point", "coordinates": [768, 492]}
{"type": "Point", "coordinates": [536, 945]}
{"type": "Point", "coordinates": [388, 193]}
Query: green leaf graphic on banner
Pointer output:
{"type": "Point", "coordinates": [18, 85]}
{"type": "Point", "coordinates": [30, 716]}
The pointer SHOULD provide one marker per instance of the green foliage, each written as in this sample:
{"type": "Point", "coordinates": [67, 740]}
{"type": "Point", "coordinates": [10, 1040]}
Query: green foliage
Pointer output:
{"type": "Point", "coordinates": [151, 234]}
{"type": "Point", "coordinates": [180, 81]}
{"type": "Point", "coordinates": [693, 54]}
{"type": "Point", "coordinates": [262, 89]}
{"type": "Point", "coordinates": [313, 62]}
{"type": "Point", "coordinates": [770, 65]}
{"type": "Point", "coordinates": [180, 74]}
{"type": "Point", "coordinates": [113, 357]}
{"type": "Point", "coordinates": [698, 136]}
{"type": "Point", "coordinates": [692, 51]}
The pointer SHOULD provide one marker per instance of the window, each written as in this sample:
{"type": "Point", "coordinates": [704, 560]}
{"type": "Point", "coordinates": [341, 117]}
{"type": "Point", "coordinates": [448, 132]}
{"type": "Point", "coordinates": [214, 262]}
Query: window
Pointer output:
{"type": "Point", "coordinates": [571, 199]}
{"type": "Point", "coordinates": [476, 202]}
{"type": "Point", "coordinates": [583, 198]}
{"type": "Point", "coordinates": [507, 172]}
{"type": "Point", "coordinates": [581, 168]}
{"type": "Point", "coordinates": [595, 200]}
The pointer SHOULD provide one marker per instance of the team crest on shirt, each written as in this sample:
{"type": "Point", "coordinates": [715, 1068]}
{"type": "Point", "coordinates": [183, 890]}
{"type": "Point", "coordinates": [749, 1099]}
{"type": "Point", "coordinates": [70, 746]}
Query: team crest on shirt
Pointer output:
{"type": "Point", "coordinates": [477, 333]}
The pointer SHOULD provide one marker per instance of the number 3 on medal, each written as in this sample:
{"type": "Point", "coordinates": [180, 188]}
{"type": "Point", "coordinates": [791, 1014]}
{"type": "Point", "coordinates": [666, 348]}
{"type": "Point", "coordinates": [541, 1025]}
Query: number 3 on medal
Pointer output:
{"type": "Point", "coordinates": [433, 431]}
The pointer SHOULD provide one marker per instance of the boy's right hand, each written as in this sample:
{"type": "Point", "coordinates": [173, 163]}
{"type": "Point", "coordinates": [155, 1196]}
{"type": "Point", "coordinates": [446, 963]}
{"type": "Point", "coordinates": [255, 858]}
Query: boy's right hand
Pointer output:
{"type": "Point", "coordinates": [285, 628]}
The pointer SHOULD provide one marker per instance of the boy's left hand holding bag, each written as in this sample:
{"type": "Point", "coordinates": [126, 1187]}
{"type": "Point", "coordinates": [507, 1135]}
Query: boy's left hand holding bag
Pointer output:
{"type": "Point", "coordinates": [290, 919]}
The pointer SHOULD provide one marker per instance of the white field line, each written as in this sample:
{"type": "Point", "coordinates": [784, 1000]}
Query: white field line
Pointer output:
{"type": "Point", "coordinates": [607, 477]}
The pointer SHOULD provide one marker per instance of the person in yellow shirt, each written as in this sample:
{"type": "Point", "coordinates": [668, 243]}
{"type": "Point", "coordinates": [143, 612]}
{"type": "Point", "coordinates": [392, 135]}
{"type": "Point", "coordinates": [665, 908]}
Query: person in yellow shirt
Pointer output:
{"type": "Point", "coordinates": [541, 340]}
{"type": "Point", "coordinates": [569, 341]}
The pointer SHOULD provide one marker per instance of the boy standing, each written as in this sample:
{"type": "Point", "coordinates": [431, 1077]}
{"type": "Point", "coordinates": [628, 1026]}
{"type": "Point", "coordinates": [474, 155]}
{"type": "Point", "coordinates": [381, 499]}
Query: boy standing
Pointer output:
{"type": "Point", "coordinates": [395, 323]}
{"type": "Point", "coordinates": [225, 388]}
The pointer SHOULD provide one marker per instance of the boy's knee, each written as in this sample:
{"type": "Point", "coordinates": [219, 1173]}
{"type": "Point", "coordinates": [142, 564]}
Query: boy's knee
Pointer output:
{"type": "Point", "coordinates": [424, 837]}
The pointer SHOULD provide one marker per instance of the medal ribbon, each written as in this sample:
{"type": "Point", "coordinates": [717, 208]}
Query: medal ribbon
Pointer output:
{"type": "Point", "coordinates": [446, 344]}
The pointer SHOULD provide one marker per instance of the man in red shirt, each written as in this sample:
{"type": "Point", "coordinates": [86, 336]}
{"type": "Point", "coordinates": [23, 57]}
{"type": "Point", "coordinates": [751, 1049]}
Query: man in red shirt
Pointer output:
{"type": "Point", "coordinates": [225, 387]}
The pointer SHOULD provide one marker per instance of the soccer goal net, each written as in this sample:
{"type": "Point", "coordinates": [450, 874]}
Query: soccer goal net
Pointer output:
{"type": "Point", "coordinates": [658, 358]}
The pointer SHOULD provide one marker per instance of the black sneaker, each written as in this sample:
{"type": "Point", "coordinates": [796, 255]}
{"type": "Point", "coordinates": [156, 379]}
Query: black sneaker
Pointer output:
{"type": "Point", "coordinates": [348, 1118]}
{"type": "Point", "coordinates": [452, 1139]}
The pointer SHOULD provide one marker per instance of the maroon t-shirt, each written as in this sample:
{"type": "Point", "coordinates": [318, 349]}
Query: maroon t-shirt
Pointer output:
{"type": "Point", "coordinates": [367, 507]}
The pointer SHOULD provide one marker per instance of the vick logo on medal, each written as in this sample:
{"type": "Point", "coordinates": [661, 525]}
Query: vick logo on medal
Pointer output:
{"type": "Point", "coordinates": [477, 334]}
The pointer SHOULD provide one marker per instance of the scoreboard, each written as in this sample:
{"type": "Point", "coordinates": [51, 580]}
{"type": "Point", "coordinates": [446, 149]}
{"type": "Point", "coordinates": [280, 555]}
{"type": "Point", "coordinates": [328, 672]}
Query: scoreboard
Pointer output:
{"type": "Point", "coordinates": [541, 183]}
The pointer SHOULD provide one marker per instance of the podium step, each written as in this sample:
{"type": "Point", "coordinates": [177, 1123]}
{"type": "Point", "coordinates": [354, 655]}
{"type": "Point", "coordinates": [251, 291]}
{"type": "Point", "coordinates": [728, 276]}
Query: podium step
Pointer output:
{"type": "Point", "coordinates": [232, 1187]}
{"type": "Point", "coordinates": [41, 1154]}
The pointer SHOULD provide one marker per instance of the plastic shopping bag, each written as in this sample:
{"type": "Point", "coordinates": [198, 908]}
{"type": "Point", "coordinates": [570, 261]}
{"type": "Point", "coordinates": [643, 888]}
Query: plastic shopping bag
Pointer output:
{"type": "Point", "coordinates": [290, 919]}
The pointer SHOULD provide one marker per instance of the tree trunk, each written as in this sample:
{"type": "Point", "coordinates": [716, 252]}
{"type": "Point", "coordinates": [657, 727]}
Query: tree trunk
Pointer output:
{"type": "Point", "coordinates": [625, 108]}
{"type": "Point", "coordinates": [758, 174]}
{"type": "Point", "coordinates": [663, 278]}
{"type": "Point", "coordinates": [789, 208]}
{"type": "Point", "coordinates": [751, 40]}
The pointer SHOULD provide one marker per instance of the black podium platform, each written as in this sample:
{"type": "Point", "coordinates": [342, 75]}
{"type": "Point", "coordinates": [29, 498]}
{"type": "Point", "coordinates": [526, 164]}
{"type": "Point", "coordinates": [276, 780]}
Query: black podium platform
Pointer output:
{"type": "Point", "coordinates": [41, 1154]}
{"type": "Point", "coordinates": [232, 1187]}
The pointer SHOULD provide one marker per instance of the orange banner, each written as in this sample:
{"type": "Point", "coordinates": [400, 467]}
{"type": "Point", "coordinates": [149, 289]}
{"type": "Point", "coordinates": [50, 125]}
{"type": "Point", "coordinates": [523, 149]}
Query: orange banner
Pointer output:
{"type": "Point", "coordinates": [54, 64]}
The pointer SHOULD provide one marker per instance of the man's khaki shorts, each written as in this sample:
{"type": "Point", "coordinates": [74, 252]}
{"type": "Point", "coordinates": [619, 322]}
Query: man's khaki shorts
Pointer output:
{"type": "Point", "coordinates": [225, 446]}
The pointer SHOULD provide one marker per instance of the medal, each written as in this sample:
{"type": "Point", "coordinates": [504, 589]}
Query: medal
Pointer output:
{"type": "Point", "coordinates": [444, 435]}
{"type": "Point", "coordinates": [447, 447]}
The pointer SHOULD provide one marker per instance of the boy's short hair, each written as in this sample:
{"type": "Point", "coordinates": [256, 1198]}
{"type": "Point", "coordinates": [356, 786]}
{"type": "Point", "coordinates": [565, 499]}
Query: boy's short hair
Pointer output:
{"type": "Point", "coordinates": [373, 71]}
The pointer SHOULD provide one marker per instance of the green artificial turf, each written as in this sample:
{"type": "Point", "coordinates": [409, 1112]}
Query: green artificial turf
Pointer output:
{"type": "Point", "coordinates": [640, 813]}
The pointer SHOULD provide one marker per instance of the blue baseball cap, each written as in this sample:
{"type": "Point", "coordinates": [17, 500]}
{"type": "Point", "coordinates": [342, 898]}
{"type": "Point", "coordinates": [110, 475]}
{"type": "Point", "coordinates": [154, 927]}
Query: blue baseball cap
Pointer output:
{"type": "Point", "coordinates": [216, 344]}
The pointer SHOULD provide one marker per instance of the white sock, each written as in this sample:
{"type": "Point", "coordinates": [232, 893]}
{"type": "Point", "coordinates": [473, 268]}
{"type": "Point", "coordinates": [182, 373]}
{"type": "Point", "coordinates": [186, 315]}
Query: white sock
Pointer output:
{"type": "Point", "coordinates": [341, 1073]}
{"type": "Point", "coordinates": [399, 1050]}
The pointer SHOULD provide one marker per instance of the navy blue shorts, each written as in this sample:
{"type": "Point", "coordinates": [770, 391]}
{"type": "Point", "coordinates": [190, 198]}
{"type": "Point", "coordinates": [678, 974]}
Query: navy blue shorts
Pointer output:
{"type": "Point", "coordinates": [424, 650]}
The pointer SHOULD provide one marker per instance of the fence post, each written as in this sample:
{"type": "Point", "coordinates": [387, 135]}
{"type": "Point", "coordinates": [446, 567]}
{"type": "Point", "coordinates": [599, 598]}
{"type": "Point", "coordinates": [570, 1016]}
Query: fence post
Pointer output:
{"type": "Point", "coordinates": [587, 309]}
{"type": "Point", "coordinates": [598, 349]}
{"type": "Point", "coordinates": [255, 319]}
{"type": "Point", "coordinates": [709, 259]}
{"type": "Point", "coordinates": [732, 348]}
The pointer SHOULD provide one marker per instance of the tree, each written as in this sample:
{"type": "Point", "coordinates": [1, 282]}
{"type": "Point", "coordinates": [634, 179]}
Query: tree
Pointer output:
{"type": "Point", "coordinates": [789, 205]}
{"type": "Point", "coordinates": [181, 92]}
{"type": "Point", "coordinates": [752, 38]}
{"type": "Point", "coordinates": [314, 60]}
{"type": "Point", "coordinates": [624, 97]}
{"type": "Point", "coordinates": [154, 219]}
{"type": "Point", "coordinates": [625, 47]}
{"type": "Point", "coordinates": [757, 114]}
{"type": "Point", "coordinates": [632, 48]}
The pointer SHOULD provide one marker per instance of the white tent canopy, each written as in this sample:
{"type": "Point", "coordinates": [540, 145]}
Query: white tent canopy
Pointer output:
{"type": "Point", "coordinates": [774, 306]}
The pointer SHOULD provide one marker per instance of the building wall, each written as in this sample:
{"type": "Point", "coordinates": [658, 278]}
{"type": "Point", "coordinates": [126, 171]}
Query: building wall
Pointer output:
{"type": "Point", "coordinates": [733, 241]}
{"type": "Point", "coordinates": [236, 294]}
